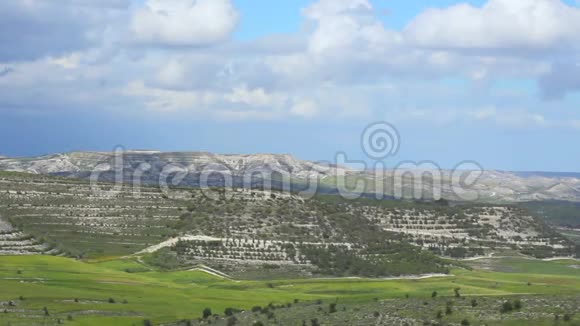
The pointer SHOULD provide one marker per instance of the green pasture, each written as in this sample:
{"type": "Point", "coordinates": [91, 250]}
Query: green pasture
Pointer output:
{"type": "Point", "coordinates": [82, 290]}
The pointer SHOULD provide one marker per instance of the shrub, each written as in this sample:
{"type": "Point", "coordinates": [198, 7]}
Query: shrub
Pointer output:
{"type": "Point", "coordinates": [256, 309]}
{"type": "Point", "coordinates": [111, 300]}
{"type": "Point", "coordinates": [448, 310]}
{"type": "Point", "coordinates": [434, 294]}
{"type": "Point", "coordinates": [567, 317]}
{"type": "Point", "coordinates": [206, 313]}
{"type": "Point", "coordinates": [332, 308]}
{"type": "Point", "coordinates": [147, 322]}
{"type": "Point", "coordinates": [465, 322]}
{"type": "Point", "coordinates": [517, 304]}
{"type": "Point", "coordinates": [473, 303]}
{"type": "Point", "coordinates": [506, 307]}
{"type": "Point", "coordinates": [231, 311]}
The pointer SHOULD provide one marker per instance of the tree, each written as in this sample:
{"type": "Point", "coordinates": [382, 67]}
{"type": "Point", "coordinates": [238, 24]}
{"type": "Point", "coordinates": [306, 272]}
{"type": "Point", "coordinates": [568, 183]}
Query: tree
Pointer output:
{"type": "Point", "coordinates": [473, 303]}
{"type": "Point", "coordinates": [434, 294]}
{"type": "Point", "coordinates": [517, 304]}
{"type": "Point", "coordinates": [457, 294]}
{"type": "Point", "coordinates": [231, 311]}
{"type": "Point", "coordinates": [206, 313]}
{"type": "Point", "coordinates": [465, 322]}
{"type": "Point", "coordinates": [506, 307]}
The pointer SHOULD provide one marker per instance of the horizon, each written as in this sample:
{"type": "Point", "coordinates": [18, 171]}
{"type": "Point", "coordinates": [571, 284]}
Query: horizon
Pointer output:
{"type": "Point", "coordinates": [387, 167]}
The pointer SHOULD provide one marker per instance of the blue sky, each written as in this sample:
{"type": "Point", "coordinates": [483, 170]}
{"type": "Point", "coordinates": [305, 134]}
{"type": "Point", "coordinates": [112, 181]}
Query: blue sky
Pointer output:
{"type": "Point", "coordinates": [492, 81]}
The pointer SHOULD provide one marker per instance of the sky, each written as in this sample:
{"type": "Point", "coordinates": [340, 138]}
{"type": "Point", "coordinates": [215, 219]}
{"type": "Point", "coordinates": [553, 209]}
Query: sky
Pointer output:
{"type": "Point", "coordinates": [496, 82]}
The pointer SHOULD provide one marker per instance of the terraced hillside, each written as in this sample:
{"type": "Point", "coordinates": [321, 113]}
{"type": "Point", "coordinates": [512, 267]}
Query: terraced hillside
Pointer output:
{"type": "Point", "coordinates": [14, 242]}
{"type": "Point", "coordinates": [227, 229]}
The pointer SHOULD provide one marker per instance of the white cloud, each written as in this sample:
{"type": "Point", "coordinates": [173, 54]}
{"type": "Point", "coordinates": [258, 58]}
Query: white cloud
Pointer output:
{"type": "Point", "coordinates": [70, 61]}
{"type": "Point", "coordinates": [34, 29]}
{"type": "Point", "coordinates": [184, 22]}
{"type": "Point", "coordinates": [172, 73]}
{"type": "Point", "coordinates": [168, 100]}
{"type": "Point", "coordinates": [498, 24]}
{"type": "Point", "coordinates": [304, 109]}
{"type": "Point", "coordinates": [253, 97]}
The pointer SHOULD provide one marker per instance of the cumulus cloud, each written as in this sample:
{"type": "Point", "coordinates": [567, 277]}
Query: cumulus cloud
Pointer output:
{"type": "Point", "coordinates": [34, 29]}
{"type": "Point", "coordinates": [343, 64]}
{"type": "Point", "coordinates": [184, 22]}
{"type": "Point", "coordinates": [498, 24]}
{"type": "Point", "coordinates": [304, 108]}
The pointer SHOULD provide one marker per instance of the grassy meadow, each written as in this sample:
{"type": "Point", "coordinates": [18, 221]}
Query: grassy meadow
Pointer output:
{"type": "Point", "coordinates": [126, 292]}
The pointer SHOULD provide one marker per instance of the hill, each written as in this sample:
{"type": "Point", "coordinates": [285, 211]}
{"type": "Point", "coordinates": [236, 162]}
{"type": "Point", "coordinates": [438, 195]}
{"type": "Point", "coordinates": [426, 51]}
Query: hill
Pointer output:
{"type": "Point", "coordinates": [245, 231]}
{"type": "Point", "coordinates": [491, 186]}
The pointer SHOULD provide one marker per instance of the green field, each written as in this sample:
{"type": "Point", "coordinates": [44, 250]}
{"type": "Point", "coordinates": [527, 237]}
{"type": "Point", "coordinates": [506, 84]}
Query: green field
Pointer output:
{"type": "Point", "coordinates": [78, 293]}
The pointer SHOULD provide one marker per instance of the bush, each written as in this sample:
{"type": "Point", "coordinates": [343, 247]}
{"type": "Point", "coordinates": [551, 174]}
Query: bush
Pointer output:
{"type": "Point", "coordinates": [206, 313]}
{"type": "Point", "coordinates": [465, 322]}
{"type": "Point", "coordinates": [434, 294]}
{"type": "Point", "coordinates": [147, 322]}
{"type": "Point", "coordinates": [506, 307]}
{"type": "Point", "coordinates": [111, 300]}
{"type": "Point", "coordinates": [231, 311]}
{"type": "Point", "coordinates": [473, 303]}
{"type": "Point", "coordinates": [256, 309]}
{"type": "Point", "coordinates": [332, 308]}
{"type": "Point", "coordinates": [517, 304]}
{"type": "Point", "coordinates": [567, 317]}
